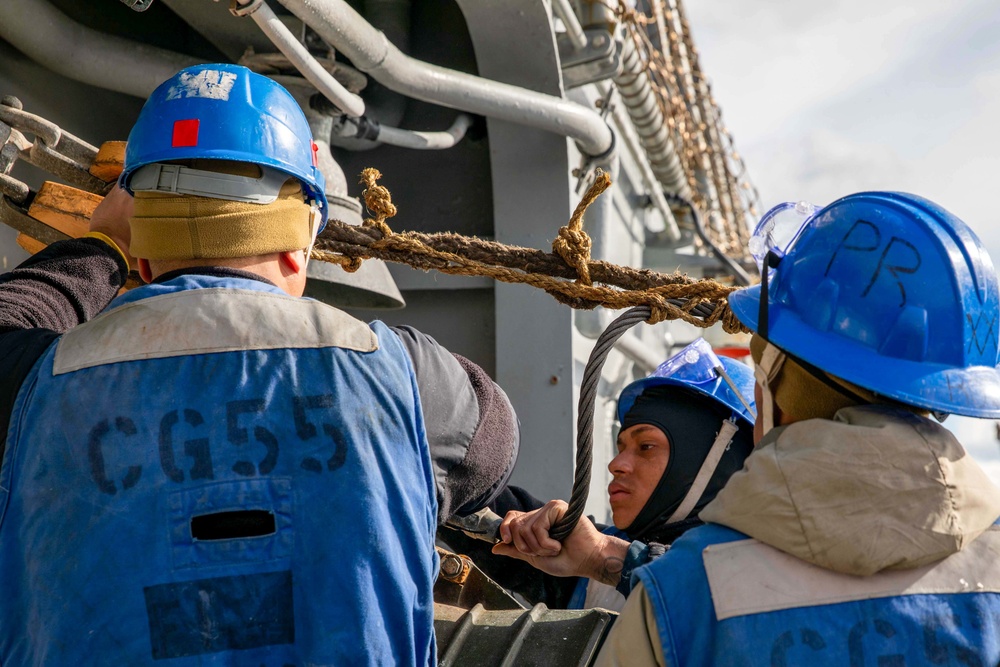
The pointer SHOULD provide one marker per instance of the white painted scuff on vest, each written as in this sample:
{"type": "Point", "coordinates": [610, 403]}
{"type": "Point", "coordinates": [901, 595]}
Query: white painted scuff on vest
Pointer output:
{"type": "Point", "coordinates": [206, 321]}
{"type": "Point", "coordinates": [749, 577]}
{"type": "Point", "coordinates": [210, 83]}
{"type": "Point", "coordinates": [603, 596]}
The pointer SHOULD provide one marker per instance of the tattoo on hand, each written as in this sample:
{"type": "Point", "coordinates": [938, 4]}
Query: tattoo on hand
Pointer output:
{"type": "Point", "coordinates": [611, 570]}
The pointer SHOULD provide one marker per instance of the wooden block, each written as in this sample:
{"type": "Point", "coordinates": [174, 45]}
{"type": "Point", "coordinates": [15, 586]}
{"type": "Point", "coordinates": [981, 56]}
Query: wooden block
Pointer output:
{"type": "Point", "coordinates": [30, 244]}
{"type": "Point", "coordinates": [65, 208]}
{"type": "Point", "coordinates": [109, 162]}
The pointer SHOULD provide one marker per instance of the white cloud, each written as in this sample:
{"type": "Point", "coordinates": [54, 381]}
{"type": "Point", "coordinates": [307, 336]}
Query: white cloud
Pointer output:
{"type": "Point", "coordinates": [819, 165]}
{"type": "Point", "coordinates": [771, 60]}
{"type": "Point", "coordinates": [829, 98]}
{"type": "Point", "coordinates": [979, 436]}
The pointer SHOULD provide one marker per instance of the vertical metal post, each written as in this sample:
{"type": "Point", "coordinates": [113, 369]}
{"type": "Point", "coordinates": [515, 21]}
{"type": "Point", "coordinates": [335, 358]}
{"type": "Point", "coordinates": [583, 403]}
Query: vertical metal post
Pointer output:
{"type": "Point", "coordinates": [531, 199]}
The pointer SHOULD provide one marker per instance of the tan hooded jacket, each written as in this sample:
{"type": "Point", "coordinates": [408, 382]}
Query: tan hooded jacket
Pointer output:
{"type": "Point", "coordinates": [874, 489]}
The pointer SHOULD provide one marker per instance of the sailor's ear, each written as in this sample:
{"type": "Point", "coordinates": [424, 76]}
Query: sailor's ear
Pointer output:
{"type": "Point", "coordinates": [293, 260]}
{"type": "Point", "coordinates": [144, 271]}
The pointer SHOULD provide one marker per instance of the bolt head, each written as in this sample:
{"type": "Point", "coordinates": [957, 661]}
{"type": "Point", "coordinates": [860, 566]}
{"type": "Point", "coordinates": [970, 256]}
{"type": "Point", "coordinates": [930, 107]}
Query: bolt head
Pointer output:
{"type": "Point", "coordinates": [451, 566]}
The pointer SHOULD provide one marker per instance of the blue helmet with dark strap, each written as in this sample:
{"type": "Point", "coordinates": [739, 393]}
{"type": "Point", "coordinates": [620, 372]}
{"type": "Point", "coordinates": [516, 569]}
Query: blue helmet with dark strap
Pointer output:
{"type": "Point", "coordinates": [886, 290]}
{"type": "Point", "coordinates": [697, 368]}
{"type": "Point", "coordinates": [224, 112]}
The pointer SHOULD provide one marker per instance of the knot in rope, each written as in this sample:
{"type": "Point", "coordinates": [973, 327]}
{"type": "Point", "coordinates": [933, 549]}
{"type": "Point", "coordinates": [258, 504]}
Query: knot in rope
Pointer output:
{"type": "Point", "coordinates": [659, 311]}
{"type": "Point", "coordinates": [730, 324]}
{"type": "Point", "coordinates": [573, 244]}
{"type": "Point", "coordinates": [377, 200]}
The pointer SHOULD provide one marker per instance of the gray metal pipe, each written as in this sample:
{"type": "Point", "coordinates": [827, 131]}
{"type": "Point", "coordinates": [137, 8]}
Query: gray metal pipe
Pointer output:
{"type": "Point", "coordinates": [638, 352]}
{"type": "Point", "coordinates": [370, 51]}
{"type": "Point", "coordinates": [426, 140]}
{"type": "Point", "coordinates": [54, 40]}
{"type": "Point", "coordinates": [574, 30]}
{"type": "Point", "coordinates": [385, 106]}
{"type": "Point", "coordinates": [299, 56]}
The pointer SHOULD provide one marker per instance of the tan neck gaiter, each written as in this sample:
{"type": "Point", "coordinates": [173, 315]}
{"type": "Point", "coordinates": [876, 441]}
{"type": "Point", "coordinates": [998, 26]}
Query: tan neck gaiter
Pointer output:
{"type": "Point", "coordinates": [170, 226]}
{"type": "Point", "coordinates": [800, 394]}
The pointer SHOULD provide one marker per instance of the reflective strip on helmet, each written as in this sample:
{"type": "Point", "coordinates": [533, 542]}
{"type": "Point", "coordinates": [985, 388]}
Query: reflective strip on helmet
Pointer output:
{"type": "Point", "coordinates": [721, 370]}
{"type": "Point", "coordinates": [201, 183]}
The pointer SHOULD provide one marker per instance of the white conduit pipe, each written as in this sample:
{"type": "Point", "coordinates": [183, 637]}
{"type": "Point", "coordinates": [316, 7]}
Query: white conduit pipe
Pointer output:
{"type": "Point", "coordinates": [370, 51]}
{"type": "Point", "coordinates": [299, 56]}
{"type": "Point", "coordinates": [637, 351]}
{"type": "Point", "coordinates": [346, 101]}
{"type": "Point", "coordinates": [574, 30]}
{"type": "Point", "coordinates": [52, 39]}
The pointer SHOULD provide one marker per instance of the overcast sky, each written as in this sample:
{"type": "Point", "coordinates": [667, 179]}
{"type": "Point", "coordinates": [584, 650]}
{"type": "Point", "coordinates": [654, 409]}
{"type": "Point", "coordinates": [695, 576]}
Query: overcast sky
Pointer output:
{"type": "Point", "coordinates": [828, 98]}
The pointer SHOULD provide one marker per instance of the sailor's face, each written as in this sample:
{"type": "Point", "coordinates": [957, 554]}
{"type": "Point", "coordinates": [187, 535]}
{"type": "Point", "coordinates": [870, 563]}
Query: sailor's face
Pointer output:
{"type": "Point", "coordinates": [643, 452]}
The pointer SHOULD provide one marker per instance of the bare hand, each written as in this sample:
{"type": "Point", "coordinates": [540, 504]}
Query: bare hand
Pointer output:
{"type": "Point", "coordinates": [586, 552]}
{"type": "Point", "coordinates": [111, 218]}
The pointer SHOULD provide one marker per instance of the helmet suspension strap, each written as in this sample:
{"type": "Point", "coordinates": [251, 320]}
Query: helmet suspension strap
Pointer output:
{"type": "Point", "coordinates": [765, 372]}
{"type": "Point", "coordinates": [719, 447]}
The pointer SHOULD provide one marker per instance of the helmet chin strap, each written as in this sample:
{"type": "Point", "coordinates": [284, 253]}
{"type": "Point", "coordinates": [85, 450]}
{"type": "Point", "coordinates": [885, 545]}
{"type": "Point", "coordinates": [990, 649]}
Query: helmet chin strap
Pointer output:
{"type": "Point", "coordinates": [719, 447]}
{"type": "Point", "coordinates": [315, 220]}
{"type": "Point", "coordinates": [765, 372]}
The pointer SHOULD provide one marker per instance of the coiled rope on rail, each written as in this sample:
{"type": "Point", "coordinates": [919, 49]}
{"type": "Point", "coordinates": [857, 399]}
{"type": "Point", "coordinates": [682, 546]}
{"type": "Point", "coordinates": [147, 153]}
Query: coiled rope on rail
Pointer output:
{"type": "Point", "coordinates": [568, 273]}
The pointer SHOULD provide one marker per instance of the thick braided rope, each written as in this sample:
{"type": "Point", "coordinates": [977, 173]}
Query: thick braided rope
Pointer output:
{"type": "Point", "coordinates": [573, 244]}
{"type": "Point", "coordinates": [700, 303]}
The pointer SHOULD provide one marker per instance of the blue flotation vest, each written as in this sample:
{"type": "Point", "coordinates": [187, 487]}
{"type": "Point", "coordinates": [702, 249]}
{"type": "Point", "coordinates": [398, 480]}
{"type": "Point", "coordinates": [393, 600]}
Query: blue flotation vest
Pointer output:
{"type": "Point", "coordinates": [721, 598]}
{"type": "Point", "coordinates": [211, 473]}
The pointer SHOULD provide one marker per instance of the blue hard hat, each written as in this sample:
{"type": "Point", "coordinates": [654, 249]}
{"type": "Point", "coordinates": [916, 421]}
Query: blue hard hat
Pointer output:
{"type": "Point", "coordinates": [695, 368]}
{"type": "Point", "coordinates": [888, 291]}
{"type": "Point", "coordinates": [226, 112]}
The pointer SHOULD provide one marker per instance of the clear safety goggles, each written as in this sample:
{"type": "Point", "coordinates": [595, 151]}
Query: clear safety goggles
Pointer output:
{"type": "Point", "coordinates": [778, 230]}
{"type": "Point", "coordinates": [772, 238]}
{"type": "Point", "coordinates": [698, 364]}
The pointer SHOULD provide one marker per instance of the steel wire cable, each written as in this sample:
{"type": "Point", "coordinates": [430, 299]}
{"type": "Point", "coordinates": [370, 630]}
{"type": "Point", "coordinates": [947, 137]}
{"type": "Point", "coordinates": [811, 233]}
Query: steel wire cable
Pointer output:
{"type": "Point", "coordinates": [562, 528]}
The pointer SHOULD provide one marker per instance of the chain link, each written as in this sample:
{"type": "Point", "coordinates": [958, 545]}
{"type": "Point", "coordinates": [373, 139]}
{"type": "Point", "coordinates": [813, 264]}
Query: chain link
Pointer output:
{"type": "Point", "coordinates": [51, 149]}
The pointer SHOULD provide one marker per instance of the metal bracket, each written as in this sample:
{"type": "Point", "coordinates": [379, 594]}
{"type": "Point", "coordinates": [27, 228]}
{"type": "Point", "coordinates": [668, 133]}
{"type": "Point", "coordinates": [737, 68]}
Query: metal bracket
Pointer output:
{"type": "Point", "coordinates": [599, 60]}
{"type": "Point", "coordinates": [238, 9]}
{"type": "Point", "coordinates": [483, 525]}
{"type": "Point", "coordinates": [461, 583]}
